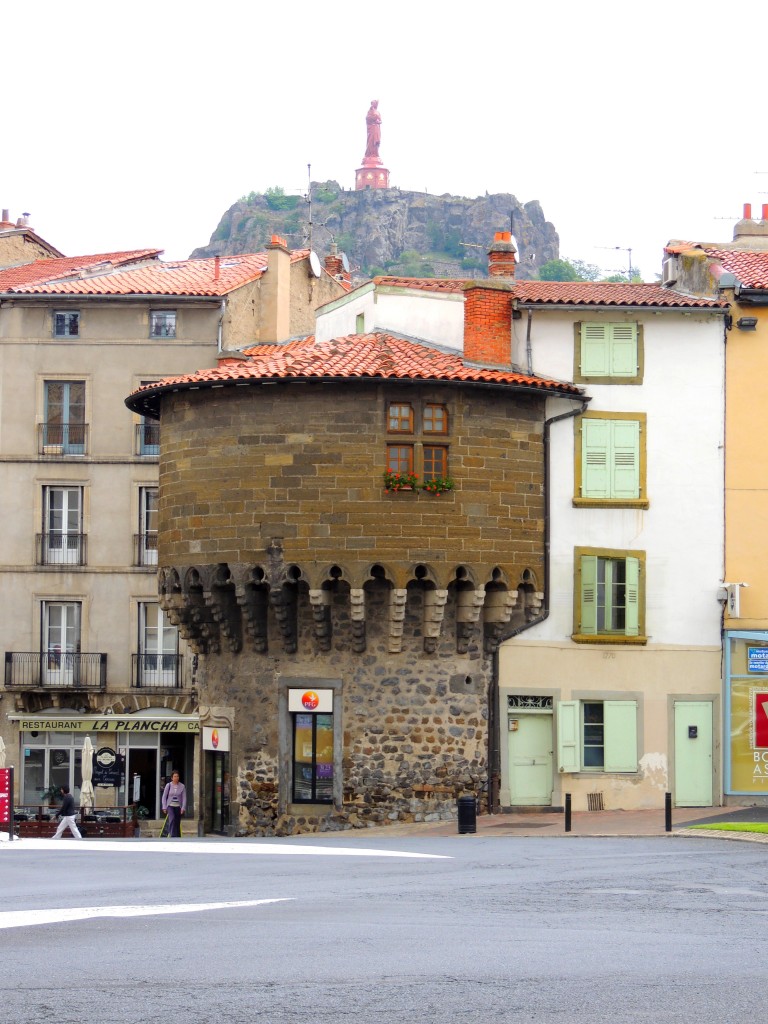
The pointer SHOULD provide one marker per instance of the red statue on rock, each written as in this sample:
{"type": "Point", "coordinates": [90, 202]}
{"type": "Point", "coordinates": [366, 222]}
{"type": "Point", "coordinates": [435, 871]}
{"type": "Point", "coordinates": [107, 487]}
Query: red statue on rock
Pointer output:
{"type": "Point", "coordinates": [372, 174]}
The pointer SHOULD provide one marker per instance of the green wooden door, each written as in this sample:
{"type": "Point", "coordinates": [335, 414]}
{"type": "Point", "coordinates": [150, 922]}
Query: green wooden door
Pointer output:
{"type": "Point", "coordinates": [530, 761]}
{"type": "Point", "coordinates": [693, 753]}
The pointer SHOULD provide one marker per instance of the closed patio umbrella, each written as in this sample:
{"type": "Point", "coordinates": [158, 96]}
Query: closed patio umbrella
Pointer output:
{"type": "Point", "coordinates": [2, 753]}
{"type": "Point", "coordinates": [87, 796]}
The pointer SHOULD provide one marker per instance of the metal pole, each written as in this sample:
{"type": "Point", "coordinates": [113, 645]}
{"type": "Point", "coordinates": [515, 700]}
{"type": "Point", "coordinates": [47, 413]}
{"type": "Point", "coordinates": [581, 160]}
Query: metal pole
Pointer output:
{"type": "Point", "coordinates": [667, 812]}
{"type": "Point", "coordinates": [567, 812]}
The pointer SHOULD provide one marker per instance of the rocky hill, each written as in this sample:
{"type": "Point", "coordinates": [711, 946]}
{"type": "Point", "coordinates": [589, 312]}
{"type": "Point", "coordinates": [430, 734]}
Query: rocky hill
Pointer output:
{"type": "Point", "coordinates": [389, 230]}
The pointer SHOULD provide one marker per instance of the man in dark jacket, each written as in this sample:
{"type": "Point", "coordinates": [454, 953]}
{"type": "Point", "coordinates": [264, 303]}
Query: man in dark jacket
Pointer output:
{"type": "Point", "coordinates": [66, 814]}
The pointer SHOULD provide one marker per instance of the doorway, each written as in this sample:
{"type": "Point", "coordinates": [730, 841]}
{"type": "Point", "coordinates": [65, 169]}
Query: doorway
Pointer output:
{"type": "Point", "coordinates": [693, 753]}
{"type": "Point", "coordinates": [530, 750]}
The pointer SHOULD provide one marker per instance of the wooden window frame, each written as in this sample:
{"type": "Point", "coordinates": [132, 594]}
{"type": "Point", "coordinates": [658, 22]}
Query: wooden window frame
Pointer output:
{"type": "Point", "coordinates": [588, 636]}
{"type": "Point", "coordinates": [444, 413]}
{"type": "Point", "coordinates": [431, 474]}
{"type": "Point", "coordinates": [409, 449]}
{"type": "Point", "coordinates": [584, 501]}
{"type": "Point", "coordinates": [579, 377]}
{"type": "Point", "coordinates": [400, 406]}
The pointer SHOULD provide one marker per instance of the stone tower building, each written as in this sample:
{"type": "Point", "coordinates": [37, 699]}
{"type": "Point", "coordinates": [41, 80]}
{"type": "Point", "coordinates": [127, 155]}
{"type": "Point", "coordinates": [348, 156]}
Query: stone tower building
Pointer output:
{"type": "Point", "coordinates": [345, 529]}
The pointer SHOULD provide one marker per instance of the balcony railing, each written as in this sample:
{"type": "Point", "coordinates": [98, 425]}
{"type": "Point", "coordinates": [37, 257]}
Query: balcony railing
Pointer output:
{"type": "Point", "coordinates": [157, 672]}
{"type": "Point", "coordinates": [56, 440]}
{"type": "Point", "coordinates": [58, 548]}
{"type": "Point", "coordinates": [148, 438]}
{"type": "Point", "coordinates": [55, 670]}
{"type": "Point", "coordinates": [145, 549]}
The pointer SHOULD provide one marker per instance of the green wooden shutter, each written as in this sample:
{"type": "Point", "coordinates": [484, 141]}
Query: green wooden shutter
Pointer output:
{"type": "Point", "coordinates": [623, 350]}
{"type": "Point", "coordinates": [595, 458]}
{"type": "Point", "coordinates": [632, 597]}
{"type": "Point", "coordinates": [568, 731]}
{"type": "Point", "coordinates": [625, 459]}
{"type": "Point", "coordinates": [588, 601]}
{"type": "Point", "coordinates": [594, 350]}
{"type": "Point", "coordinates": [620, 741]}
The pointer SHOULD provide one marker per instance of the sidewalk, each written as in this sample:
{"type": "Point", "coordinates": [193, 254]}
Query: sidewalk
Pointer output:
{"type": "Point", "coordinates": [583, 823]}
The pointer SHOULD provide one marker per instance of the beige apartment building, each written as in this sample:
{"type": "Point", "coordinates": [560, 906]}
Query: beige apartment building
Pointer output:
{"type": "Point", "coordinates": [88, 650]}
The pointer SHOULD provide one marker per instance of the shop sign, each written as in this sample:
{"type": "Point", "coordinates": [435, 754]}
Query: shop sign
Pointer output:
{"type": "Point", "coordinates": [108, 767]}
{"type": "Point", "coordinates": [749, 737]}
{"type": "Point", "coordinates": [757, 659]}
{"type": "Point", "coordinates": [6, 792]}
{"type": "Point", "coordinates": [216, 738]}
{"type": "Point", "coordinates": [110, 723]}
{"type": "Point", "coordinates": [309, 700]}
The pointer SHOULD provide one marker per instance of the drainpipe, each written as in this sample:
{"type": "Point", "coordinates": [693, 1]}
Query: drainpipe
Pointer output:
{"type": "Point", "coordinates": [494, 739]}
{"type": "Point", "coordinates": [528, 347]}
{"type": "Point", "coordinates": [220, 328]}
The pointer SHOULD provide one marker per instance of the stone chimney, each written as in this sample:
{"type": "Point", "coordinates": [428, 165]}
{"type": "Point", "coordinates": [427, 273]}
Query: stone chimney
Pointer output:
{"type": "Point", "coordinates": [752, 234]}
{"type": "Point", "coordinates": [501, 255]}
{"type": "Point", "coordinates": [6, 222]}
{"type": "Point", "coordinates": [488, 323]}
{"type": "Point", "coordinates": [276, 293]}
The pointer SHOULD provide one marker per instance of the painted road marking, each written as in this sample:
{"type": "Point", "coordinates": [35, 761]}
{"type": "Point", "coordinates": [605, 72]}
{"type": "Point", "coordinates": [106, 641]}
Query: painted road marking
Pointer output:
{"type": "Point", "coordinates": [28, 918]}
{"type": "Point", "coordinates": [243, 847]}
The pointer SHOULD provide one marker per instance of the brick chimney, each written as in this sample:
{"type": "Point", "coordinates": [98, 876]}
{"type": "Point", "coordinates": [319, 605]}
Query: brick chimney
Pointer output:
{"type": "Point", "coordinates": [276, 293]}
{"type": "Point", "coordinates": [488, 323]}
{"type": "Point", "coordinates": [6, 222]}
{"type": "Point", "coordinates": [334, 265]}
{"type": "Point", "coordinates": [501, 255]}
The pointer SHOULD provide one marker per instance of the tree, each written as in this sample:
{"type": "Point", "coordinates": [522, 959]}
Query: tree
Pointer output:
{"type": "Point", "coordinates": [559, 270]}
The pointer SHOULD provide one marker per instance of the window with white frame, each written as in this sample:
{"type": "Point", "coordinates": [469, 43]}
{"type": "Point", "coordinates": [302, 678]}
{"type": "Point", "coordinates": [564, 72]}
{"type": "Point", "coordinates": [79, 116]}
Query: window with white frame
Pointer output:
{"type": "Point", "coordinates": [608, 353]}
{"type": "Point", "coordinates": [158, 648]}
{"type": "Point", "coordinates": [162, 323]}
{"type": "Point", "coordinates": [597, 735]}
{"type": "Point", "coordinates": [62, 539]}
{"type": "Point", "coordinates": [60, 642]}
{"type": "Point", "coordinates": [64, 430]}
{"type": "Point", "coordinates": [66, 324]}
{"type": "Point", "coordinates": [609, 596]}
{"type": "Point", "coordinates": [147, 526]}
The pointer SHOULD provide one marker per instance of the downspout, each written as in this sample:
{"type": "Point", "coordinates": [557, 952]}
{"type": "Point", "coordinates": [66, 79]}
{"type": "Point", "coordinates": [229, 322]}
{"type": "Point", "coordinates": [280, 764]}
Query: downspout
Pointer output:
{"type": "Point", "coordinates": [528, 346]}
{"type": "Point", "coordinates": [220, 328]}
{"type": "Point", "coordinates": [494, 737]}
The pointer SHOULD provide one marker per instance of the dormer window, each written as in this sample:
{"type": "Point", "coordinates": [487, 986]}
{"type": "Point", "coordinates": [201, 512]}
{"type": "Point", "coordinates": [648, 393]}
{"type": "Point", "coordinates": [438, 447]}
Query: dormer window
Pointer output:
{"type": "Point", "coordinates": [66, 324]}
{"type": "Point", "coordinates": [162, 323]}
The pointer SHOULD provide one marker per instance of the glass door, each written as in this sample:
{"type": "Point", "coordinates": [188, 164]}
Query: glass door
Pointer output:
{"type": "Point", "coordinates": [159, 645]}
{"type": "Point", "coordinates": [65, 416]}
{"type": "Point", "coordinates": [148, 525]}
{"type": "Point", "coordinates": [62, 527]}
{"type": "Point", "coordinates": [61, 641]}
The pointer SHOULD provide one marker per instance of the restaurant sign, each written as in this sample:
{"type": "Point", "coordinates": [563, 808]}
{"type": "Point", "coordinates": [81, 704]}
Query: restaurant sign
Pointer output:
{"type": "Point", "coordinates": [108, 723]}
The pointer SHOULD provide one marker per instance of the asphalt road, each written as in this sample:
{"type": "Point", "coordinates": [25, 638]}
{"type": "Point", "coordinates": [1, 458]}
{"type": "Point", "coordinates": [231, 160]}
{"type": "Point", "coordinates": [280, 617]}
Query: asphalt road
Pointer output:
{"type": "Point", "coordinates": [483, 929]}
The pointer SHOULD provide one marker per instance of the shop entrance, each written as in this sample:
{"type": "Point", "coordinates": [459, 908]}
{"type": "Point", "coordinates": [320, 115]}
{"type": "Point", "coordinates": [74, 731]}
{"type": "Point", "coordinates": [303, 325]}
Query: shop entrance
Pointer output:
{"type": "Point", "coordinates": [217, 803]}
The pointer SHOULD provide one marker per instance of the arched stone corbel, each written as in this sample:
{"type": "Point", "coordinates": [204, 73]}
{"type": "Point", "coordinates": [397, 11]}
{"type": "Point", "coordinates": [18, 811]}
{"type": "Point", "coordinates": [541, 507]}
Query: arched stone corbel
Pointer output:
{"type": "Point", "coordinates": [320, 600]}
{"type": "Point", "coordinates": [469, 604]}
{"type": "Point", "coordinates": [434, 612]}
{"type": "Point", "coordinates": [397, 602]}
{"type": "Point", "coordinates": [283, 603]}
{"type": "Point", "coordinates": [497, 611]}
{"type": "Point", "coordinates": [357, 615]}
{"type": "Point", "coordinates": [253, 599]}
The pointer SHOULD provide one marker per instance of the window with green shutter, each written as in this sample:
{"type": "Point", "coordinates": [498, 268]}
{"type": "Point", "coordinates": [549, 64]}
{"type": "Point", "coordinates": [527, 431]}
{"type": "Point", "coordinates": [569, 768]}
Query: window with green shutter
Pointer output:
{"type": "Point", "coordinates": [608, 353]}
{"type": "Point", "coordinates": [610, 459]}
{"type": "Point", "coordinates": [597, 735]}
{"type": "Point", "coordinates": [609, 596]}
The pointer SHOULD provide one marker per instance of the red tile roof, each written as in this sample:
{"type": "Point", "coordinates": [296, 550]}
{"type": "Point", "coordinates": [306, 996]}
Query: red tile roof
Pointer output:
{"type": "Point", "coordinates": [424, 284]}
{"type": "Point", "coordinates": [184, 277]}
{"type": "Point", "coordinates": [749, 266]}
{"type": "Point", "coordinates": [605, 293]}
{"type": "Point", "coordinates": [376, 356]}
{"type": "Point", "coordinates": [44, 270]}
{"type": "Point", "coordinates": [560, 293]}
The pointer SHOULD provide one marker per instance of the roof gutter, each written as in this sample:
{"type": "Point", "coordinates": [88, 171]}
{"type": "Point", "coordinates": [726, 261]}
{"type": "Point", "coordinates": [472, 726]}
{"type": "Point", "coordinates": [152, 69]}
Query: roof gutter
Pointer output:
{"type": "Point", "coordinates": [618, 307]}
{"type": "Point", "coordinates": [494, 713]}
{"type": "Point", "coordinates": [81, 296]}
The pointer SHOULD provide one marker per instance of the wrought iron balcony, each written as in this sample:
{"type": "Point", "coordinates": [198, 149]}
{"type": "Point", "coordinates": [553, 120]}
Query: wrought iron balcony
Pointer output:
{"type": "Point", "coordinates": [58, 548]}
{"type": "Point", "coordinates": [148, 438]}
{"type": "Point", "coordinates": [55, 670]}
{"type": "Point", "coordinates": [145, 549]}
{"type": "Point", "coordinates": [157, 672]}
{"type": "Point", "coordinates": [58, 440]}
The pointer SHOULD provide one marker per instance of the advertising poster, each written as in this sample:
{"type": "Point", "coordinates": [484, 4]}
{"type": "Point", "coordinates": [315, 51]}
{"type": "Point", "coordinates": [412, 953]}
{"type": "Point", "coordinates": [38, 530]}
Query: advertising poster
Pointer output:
{"type": "Point", "coordinates": [749, 718]}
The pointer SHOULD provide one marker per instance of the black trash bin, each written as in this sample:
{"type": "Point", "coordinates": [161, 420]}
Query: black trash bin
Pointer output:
{"type": "Point", "coordinates": [467, 815]}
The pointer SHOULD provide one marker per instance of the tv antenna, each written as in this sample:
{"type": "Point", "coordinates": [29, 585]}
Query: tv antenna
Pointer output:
{"type": "Point", "coordinates": [621, 248]}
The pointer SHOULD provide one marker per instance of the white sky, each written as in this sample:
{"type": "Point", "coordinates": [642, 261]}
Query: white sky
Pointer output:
{"type": "Point", "coordinates": [138, 124]}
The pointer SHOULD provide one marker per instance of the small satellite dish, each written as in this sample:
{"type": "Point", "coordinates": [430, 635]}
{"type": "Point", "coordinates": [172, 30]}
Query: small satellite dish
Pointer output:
{"type": "Point", "coordinates": [314, 264]}
{"type": "Point", "coordinates": [345, 262]}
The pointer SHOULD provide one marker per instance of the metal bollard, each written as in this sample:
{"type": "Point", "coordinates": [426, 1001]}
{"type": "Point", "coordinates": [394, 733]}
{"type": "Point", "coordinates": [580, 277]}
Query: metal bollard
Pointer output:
{"type": "Point", "coordinates": [667, 812]}
{"type": "Point", "coordinates": [567, 812]}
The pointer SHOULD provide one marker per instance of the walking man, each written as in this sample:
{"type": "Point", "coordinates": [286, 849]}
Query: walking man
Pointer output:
{"type": "Point", "coordinates": [66, 814]}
